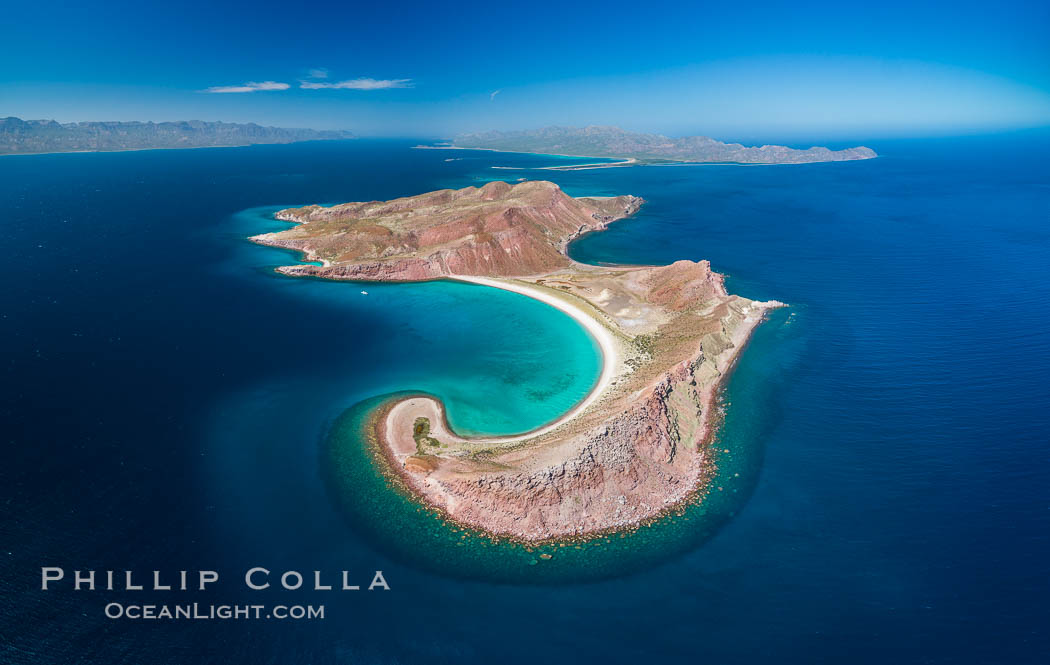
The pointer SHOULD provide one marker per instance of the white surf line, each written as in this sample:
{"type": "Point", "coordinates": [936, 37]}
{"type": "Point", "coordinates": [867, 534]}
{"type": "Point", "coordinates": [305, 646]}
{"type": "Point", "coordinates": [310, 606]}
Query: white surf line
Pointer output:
{"type": "Point", "coordinates": [601, 334]}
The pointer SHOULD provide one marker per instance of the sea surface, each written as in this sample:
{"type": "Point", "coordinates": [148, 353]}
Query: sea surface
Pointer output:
{"type": "Point", "coordinates": [170, 403]}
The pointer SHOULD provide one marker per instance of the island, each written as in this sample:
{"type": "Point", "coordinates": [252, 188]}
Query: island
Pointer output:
{"type": "Point", "coordinates": [20, 137]}
{"type": "Point", "coordinates": [639, 149]}
{"type": "Point", "coordinates": [639, 444]}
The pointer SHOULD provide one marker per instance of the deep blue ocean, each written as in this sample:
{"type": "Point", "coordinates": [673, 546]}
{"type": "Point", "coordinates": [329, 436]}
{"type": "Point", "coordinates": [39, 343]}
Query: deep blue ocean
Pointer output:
{"type": "Point", "coordinates": [171, 403]}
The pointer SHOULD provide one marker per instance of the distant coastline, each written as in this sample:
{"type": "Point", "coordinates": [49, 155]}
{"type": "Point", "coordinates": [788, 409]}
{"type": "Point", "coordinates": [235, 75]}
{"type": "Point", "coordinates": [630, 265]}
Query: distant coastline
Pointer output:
{"type": "Point", "coordinates": [647, 149]}
{"type": "Point", "coordinates": [41, 137]}
{"type": "Point", "coordinates": [624, 163]}
{"type": "Point", "coordinates": [89, 152]}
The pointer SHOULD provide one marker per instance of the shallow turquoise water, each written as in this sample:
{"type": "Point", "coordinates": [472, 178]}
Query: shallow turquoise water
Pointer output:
{"type": "Point", "coordinates": [502, 363]}
{"type": "Point", "coordinates": [384, 510]}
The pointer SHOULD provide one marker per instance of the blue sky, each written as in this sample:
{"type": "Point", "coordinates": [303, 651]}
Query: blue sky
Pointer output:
{"type": "Point", "coordinates": [727, 69]}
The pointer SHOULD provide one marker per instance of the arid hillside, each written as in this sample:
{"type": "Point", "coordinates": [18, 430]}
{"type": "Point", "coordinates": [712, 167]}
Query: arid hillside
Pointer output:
{"type": "Point", "coordinates": [497, 230]}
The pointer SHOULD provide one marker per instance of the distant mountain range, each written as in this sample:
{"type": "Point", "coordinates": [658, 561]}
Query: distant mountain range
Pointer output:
{"type": "Point", "coordinates": [19, 136]}
{"type": "Point", "coordinates": [616, 142]}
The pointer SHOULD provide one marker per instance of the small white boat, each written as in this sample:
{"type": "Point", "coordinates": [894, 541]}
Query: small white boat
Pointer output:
{"type": "Point", "coordinates": [364, 293]}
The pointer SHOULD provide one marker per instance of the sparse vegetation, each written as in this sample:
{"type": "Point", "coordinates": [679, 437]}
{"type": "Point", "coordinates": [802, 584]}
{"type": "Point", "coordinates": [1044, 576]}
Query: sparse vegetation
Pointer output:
{"type": "Point", "coordinates": [421, 435]}
{"type": "Point", "coordinates": [645, 344]}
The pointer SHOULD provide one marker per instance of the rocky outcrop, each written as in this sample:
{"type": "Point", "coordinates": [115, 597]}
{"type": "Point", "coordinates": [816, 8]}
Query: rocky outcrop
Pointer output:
{"type": "Point", "coordinates": [682, 284]}
{"type": "Point", "coordinates": [495, 230]}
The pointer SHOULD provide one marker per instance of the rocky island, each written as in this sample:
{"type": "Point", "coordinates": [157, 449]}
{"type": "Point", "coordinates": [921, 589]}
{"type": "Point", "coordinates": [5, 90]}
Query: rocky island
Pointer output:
{"type": "Point", "coordinates": [637, 445]}
{"type": "Point", "coordinates": [636, 148]}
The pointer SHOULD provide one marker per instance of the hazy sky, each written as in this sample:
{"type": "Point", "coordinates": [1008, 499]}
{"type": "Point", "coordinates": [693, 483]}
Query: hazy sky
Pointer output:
{"type": "Point", "coordinates": [726, 69]}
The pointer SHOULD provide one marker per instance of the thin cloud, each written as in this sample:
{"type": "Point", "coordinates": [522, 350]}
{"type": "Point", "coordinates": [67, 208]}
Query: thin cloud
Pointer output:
{"type": "Point", "coordinates": [250, 86]}
{"type": "Point", "coordinates": [317, 73]}
{"type": "Point", "coordinates": [492, 95]}
{"type": "Point", "coordinates": [357, 84]}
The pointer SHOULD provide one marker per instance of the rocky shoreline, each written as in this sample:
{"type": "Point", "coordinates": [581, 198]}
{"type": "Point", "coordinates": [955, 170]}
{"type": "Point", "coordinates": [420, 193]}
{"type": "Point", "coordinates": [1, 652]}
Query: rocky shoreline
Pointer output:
{"type": "Point", "coordinates": [638, 446]}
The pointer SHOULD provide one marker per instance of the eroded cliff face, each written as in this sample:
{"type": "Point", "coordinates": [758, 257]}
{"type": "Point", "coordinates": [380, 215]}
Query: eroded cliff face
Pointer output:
{"type": "Point", "coordinates": [495, 230]}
